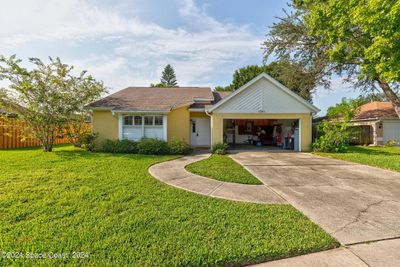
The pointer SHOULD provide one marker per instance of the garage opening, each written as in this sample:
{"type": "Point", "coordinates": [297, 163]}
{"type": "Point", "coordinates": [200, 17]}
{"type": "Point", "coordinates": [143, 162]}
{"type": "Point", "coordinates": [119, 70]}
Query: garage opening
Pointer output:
{"type": "Point", "coordinates": [271, 134]}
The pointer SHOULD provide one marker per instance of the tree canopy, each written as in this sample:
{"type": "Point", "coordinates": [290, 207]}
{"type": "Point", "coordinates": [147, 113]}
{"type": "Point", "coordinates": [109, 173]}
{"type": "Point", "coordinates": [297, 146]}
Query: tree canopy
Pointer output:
{"type": "Point", "coordinates": [168, 78]}
{"type": "Point", "coordinates": [353, 38]}
{"type": "Point", "coordinates": [48, 96]}
{"type": "Point", "coordinates": [346, 109]}
{"type": "Point", "coordinates": [292, 75]}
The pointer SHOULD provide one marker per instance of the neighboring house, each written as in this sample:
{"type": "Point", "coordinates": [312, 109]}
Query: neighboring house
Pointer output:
{"type": "Point", "coordinates": [263, 112]}
{"type": "Point", "coordinates": [383, 120]}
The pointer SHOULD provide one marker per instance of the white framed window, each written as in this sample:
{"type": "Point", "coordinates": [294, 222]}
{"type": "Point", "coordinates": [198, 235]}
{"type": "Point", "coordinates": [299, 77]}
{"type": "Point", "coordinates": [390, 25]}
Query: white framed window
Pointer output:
{"type": "Point", "coordinates": [136, 127]}
{"type": "Point", "coordinates": [158, 120]}
{"type": "Point", "coordinates": [128, 120]}
{"type": "Point", "coordinates": [138, 120]}
{"type": "Point", "coordinates": [148, 120]}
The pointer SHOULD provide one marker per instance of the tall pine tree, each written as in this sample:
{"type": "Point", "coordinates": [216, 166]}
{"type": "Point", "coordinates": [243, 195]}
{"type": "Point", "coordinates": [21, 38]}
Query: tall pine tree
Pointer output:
{"type": "Point", "coordinates": [168, 78]}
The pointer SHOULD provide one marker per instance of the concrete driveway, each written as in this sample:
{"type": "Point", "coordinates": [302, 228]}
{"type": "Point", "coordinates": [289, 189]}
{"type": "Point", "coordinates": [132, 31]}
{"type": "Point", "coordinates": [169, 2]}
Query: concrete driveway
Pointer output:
{"type": "Point", "coordinates": [353, 202]}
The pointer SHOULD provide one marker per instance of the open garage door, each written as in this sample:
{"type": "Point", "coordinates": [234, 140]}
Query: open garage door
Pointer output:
{"type": "Point", "coordinates": [270, 134]}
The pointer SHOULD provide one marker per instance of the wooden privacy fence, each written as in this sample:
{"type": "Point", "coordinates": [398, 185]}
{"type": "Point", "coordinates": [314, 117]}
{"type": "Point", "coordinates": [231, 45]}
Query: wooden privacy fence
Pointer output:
{"type": "Point", "coordinates": [361, 135]}
{"type": "Point", "coordinates": [13, 135]}
{"type": "Point", "coordinates": [358, 134]}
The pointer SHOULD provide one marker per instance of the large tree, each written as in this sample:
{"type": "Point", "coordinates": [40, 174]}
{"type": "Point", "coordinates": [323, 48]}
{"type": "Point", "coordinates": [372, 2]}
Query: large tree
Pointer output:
{"type": "Point", "coordinates": [168, 78]}
{"type": "Point", "coordinates": [49, 97]}
{"type": "Point", "coordinates": [354, 38]}
{"type": "Point", "coordinates": [292, 75]}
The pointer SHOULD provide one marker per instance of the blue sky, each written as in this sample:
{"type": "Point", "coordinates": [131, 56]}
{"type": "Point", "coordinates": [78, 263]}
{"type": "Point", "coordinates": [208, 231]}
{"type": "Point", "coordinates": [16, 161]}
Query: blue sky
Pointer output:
{"type": "Point", "coordinates": [128, 42]}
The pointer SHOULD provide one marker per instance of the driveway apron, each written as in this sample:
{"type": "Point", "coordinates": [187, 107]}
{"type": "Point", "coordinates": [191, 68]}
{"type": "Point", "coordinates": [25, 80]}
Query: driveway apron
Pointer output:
{"type": "Point", "coordinates": [356, 204]}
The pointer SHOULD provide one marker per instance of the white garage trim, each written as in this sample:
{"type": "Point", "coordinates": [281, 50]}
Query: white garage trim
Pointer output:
{"type": "Point", "coordinates": [300, 135]}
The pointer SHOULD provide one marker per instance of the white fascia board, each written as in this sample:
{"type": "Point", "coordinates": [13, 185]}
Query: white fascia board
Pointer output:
{"type": "Point", "coordinates": [140, 111]}
{"type": "Point", "coordinates": [200, 99]}
{"type": "Point", "coordinates": [197, 109]}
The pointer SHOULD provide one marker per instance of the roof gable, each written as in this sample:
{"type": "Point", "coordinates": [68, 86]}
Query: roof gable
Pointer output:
{"type": "Point", "coordinates": [263, 94]}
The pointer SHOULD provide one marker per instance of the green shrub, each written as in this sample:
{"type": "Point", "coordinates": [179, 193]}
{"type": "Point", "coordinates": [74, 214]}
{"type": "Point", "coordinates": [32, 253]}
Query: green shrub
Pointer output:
{"type": "Point", "coordinates": [153, 147]}
{"type": "Point", "coordinates": [178, 147]}
{"type": "Point", "coordinates": [219, 148]}
{"type": "Point", "coordinates": [391, 143]}
{"type": "Point", "coordinates": [87, 141]}
{"type": "Point", "coordinates": [119, 146]}
{"type": "Point", "coordinates": [334, 138]}
{"type": "Point", "coordinates": [220, 151]}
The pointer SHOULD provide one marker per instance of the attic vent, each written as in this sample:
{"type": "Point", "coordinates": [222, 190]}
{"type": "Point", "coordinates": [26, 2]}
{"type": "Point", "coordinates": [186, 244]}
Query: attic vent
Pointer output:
{"type": "Point", "coordinates": [261, 111]}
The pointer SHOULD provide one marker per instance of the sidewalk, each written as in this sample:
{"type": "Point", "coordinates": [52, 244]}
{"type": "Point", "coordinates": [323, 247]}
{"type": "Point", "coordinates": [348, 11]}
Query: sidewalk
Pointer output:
{"type": "Point", "coordinates": [174, 173]}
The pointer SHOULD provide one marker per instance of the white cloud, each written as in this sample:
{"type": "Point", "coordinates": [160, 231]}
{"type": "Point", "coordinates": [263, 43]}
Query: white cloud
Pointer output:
{"type": "Point", "coordinates": [60, 19]}
{"type": "Point", "coordinates": [199, 50]}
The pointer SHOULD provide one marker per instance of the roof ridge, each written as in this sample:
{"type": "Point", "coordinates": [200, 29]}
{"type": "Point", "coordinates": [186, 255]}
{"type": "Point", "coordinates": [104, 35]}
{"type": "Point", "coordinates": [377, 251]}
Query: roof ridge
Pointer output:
{"type": "Point", "coordinates": [179, 87]}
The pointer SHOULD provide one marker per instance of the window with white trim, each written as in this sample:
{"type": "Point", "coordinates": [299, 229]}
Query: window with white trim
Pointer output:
{"type": "Point", "coordinates": [158, 120]}
{"type": "Point", "coordinates": [136, 127]}
{"type": "Point", "coordinates": [128, 120]}
{"type": "Point", "coordinates": [138, 120]}
{"type": "Point", "coordinates": [148, 120]}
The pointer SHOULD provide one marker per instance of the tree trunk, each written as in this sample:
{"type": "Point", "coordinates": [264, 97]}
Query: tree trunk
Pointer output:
{"type": "Point", "coordinates": [392, 97]}
{"type": "Point", "coordinates": [47, 142]}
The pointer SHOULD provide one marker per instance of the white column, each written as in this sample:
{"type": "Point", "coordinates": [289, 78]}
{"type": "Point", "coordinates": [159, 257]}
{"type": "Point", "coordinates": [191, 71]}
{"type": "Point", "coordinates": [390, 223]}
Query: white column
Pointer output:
{"type": "Point", "coordinates": [300, 130]}
{"type": "Point", "coordinates": [211, 132]}
{"type": "Point", "coordinates": [142, 126]}
{"type": "Point", "coordinates": [120, 126]}
{"type": "Point", "coordinates": [165, 128]}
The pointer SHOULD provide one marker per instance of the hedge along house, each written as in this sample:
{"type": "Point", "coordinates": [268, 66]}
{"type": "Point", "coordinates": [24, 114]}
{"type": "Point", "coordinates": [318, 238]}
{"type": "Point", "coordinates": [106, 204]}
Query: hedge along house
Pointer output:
{"type": "Point", "coordinates": [261, 113]}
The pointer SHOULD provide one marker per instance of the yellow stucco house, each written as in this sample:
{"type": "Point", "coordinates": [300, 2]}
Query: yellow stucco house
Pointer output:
{"type": "Point", "coordinates": [261, 113]}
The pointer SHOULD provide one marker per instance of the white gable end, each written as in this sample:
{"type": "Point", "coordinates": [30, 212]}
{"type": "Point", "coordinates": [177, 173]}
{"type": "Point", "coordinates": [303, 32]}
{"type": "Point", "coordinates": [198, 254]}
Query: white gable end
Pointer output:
{"type": "Point", "coordinates": [263, 96]}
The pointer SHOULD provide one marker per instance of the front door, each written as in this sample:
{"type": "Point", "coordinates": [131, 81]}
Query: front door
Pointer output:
{"type": "Point", "coordinates": [200, 132]}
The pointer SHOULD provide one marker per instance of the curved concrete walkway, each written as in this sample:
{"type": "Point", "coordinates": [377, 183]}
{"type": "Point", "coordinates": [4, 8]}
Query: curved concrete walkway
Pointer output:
{"type": "Point", "coordinates": [174, 173]}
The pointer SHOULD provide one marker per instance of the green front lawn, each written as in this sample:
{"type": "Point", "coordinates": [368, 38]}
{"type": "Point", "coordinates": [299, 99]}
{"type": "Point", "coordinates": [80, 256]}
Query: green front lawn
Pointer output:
{"type": "Point", "coordinates": [223, 168]}
{"type": "Point", "coordinates": [382, 157]}
{"type": "Point", "coordinates": [110, 207]}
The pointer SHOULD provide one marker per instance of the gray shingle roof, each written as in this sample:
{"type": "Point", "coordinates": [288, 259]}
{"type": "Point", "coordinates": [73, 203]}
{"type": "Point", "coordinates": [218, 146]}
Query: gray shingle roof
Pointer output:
{"type": "Point", "coordinates": [152, 98]}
